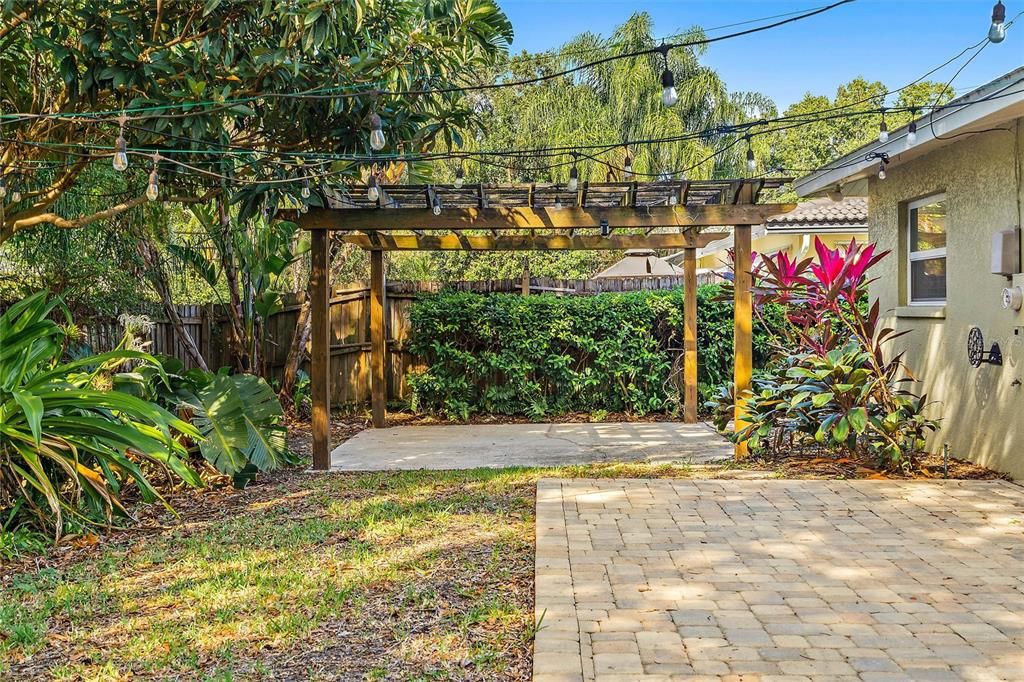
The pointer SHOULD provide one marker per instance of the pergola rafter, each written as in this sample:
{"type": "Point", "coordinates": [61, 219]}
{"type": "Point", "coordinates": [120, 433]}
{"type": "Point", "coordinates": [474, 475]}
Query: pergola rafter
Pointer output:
{"type": "Point", "coordinates": [684, 215]}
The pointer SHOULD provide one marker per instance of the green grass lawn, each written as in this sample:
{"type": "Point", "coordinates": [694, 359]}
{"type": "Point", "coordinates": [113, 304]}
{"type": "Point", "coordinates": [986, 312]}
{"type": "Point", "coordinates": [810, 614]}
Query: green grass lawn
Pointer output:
{"type": "Point", "coordinates": [409, 576]}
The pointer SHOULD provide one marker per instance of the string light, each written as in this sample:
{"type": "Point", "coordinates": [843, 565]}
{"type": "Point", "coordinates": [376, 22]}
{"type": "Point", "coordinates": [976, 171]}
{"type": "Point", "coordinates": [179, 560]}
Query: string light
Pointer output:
{"type": "Point", "coordinates": [436, 201]}
{"type": "Point", "coordinates": [912, 132]}
{"type": "Point", "coordinates": [627, 166]}
{"type": "Point", "coordinates": [669, 96]}
{"type": "Point", "coordinates": [372, 191]}
{"type": "Point", "coordinates": [574, 176]}
{"type": "Point", "coordinates": [15, 195]}
{"type": "Point", "coordinates": [460, 176]}
{"type": "Point", "coordinates": [883, 160]}
{"type": "Point", "coordinates": [377, 139]}
{"type": "Point", "coordinates": [121, 148]}
{"type": "Point", "coordinates": [558, 203]}
{"type": "Point", "coordinates": [883, 130]}
{"type": "Point", "coordinates": [153, 188]}
{"type": "Point", "coordinates": [303, 207]}
{"type": "Point", "coordinates": [997, 31]}
{"type": "Point", "coordinates": [305, 188]}
{"type": "Point", "coordinates": [751, 161]}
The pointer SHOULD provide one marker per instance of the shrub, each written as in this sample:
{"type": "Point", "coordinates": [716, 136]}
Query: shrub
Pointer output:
{"type": "Point", "coordinates": [69, 446]}
{"type": "Point", "coordinates": [543, 355]}
{"type": "Point", "coordinates": [831, 381]}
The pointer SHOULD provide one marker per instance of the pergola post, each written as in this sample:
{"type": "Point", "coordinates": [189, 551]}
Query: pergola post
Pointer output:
{"type": "Point", "coordinates": [320, 354]}
{"type": "Point", "coordinates": [690, 336]}
{"type": "Point", "coordinates": [378, 347]}
{"type": "Point", "coordinates": [743, 334]}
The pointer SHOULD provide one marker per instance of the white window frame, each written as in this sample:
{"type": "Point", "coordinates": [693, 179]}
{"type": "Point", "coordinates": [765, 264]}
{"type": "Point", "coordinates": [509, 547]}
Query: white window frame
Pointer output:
{"type": "Point", "coordinates": [914, 256]}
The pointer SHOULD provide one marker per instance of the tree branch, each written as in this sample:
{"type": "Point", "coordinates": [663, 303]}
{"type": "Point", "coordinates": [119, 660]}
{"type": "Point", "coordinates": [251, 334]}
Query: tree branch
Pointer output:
{"type": "Point", "coordinates": [24, 220]}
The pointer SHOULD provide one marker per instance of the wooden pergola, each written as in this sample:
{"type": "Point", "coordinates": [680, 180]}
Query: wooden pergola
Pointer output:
{"type": "Point", "coordinates": [613, 215]}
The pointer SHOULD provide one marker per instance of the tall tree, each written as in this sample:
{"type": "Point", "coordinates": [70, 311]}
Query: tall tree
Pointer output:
{"type": "Point", "coordinates": [219, 75]}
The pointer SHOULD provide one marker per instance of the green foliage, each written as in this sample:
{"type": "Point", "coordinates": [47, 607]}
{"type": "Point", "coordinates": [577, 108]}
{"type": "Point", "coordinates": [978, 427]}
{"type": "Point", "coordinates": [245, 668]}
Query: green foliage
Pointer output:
{"type": "Point", "coordinates": [68, 448]}
{"type": "Point", "coordinates": [237, 416]}
{"type": "Point", "coordinates": [543, 355]}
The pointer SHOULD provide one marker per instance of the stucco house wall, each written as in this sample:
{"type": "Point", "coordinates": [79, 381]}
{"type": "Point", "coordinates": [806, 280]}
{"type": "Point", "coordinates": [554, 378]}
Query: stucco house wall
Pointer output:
{"type": "Point", "coordinates": [797, 245]}
{"type": "Point", "coordinates": [983, 408]}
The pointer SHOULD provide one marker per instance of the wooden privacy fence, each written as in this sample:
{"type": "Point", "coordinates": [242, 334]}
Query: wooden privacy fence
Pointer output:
{"type": "Point", "coordinates": [104, 334]}
{"type": "Point", "coordinates": [350, 325]}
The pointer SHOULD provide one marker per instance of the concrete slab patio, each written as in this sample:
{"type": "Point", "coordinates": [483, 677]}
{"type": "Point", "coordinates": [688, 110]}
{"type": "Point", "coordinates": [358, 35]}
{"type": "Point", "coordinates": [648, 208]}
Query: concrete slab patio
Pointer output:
{"type": "Point", "coordinates": [661, 580]}
{"type": "Point", "coordinates": [506, 445]}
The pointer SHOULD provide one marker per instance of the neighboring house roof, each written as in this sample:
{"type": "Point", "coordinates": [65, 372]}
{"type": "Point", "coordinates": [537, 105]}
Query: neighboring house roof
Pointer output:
{"type": "Point", "coordinates": [989, 106]}
{"type": "Point", "coordinates": [641, 263]}
{"type": "Point", "coordinates": [810, 217]}
{"type": "Point", "coordinates": [823, 215]}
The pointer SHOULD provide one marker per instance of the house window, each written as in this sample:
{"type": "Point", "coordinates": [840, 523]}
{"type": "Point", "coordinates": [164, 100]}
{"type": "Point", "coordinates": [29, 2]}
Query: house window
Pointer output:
{"type": "Point", "coordinates": [926, 234]}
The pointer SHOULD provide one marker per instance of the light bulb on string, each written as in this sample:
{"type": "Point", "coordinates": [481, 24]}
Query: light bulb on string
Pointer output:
{"type": "Point", "coordinates": [15, 195]}
{"type": "Point", "coordinates": [912, 134]}
{"type": "Point", "coordinates": [303, 207]}
{"type": "Point", "coordinates": [669, 96]}
{"type": "Point", "coordinates": [121, 148]}
{"type": "Point", "coordinates": [574, 178]}
{"type": "Point", "coordinates": [436, 201]}
{"type": "Point", "coordinates": [883, 130]}
{"type": "Point", "coordinates": [304, 192]}
{"type": "Point", "coordinates": [372, 191]}
{"type": "Point", "coordinates": [377, 139]}
{"type": "Point", "coordinates": [627, 167]}
{"type": "Point", "coordinates": [558, 203]}
{"type": "Point", "coordinates": [460, 176]}
{"type": "Point", "coordinates": [153, 187]}
{"type": "Point", "coordinates": [751, 161]}
{"type": "Point", "coordinates": [997, 31]}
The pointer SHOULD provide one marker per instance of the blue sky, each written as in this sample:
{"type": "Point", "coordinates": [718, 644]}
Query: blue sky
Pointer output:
{"type": "Point", "coordinates": [891, 41]}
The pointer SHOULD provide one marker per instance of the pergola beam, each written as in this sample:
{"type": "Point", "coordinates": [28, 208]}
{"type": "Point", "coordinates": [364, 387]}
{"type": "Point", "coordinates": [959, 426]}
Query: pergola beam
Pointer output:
{"type": "Point", "coordinates": [536, 242]}
{"type": "Point", "coordinates": [519, 218]}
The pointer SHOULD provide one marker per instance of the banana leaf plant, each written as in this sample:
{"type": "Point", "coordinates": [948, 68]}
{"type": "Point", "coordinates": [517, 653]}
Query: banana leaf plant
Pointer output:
{"type": "Point", "coordinates": [70, 447]}
{"type": "Point", "coordinates": [238, 416]}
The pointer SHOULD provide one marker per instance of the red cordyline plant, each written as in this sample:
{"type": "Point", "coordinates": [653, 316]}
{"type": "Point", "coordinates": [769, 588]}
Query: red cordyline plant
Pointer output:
{"type": "Point", "coordinates": [831, 380]}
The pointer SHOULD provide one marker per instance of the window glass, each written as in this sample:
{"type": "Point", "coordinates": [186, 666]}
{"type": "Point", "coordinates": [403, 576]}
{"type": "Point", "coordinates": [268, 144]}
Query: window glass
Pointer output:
{"type": "Point", "coordinates": [928, 279]}
{"type": "Point", "coordinates": [928, 227]}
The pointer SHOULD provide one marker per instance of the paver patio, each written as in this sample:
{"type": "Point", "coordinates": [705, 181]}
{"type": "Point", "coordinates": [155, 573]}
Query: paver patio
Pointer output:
{"type": "Point", "coordinates": [505, 445]}
{"type": "Point", "coordinates": [659, 580]}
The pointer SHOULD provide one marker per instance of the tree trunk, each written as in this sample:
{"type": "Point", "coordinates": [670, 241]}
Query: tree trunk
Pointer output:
{"type": "Point", "coordinates": [157, 277]}
{"type": "Point", "coordinates": [296, 350]}
{"type": "Point", "coordinates": [236, 341]}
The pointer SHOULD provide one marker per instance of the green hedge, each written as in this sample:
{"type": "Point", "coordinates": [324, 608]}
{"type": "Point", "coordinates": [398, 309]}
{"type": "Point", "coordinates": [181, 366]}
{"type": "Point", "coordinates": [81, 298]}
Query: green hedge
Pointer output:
{"type": "Point", "coordinates": [543, 355]}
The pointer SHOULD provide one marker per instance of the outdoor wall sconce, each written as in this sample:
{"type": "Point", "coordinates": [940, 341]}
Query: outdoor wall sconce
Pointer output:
{"type": "Point", "coordinates": [976, 353]}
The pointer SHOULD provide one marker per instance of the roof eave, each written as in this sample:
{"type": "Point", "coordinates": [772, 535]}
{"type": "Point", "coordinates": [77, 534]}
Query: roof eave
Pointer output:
{"type": "Point", "coordinates": [998, 101]}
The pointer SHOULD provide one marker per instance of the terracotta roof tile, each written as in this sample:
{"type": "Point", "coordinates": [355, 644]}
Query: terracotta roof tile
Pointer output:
{"type": "Point", "coordinates": [850, 212]}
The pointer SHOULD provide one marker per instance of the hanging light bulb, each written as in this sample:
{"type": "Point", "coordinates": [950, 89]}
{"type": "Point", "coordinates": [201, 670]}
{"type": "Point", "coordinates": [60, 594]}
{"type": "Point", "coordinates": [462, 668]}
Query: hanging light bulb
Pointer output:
{"type": "Point", "coordinates": [669, 96]}
{"type": "Point", "coordinates": [751, 161]}
{"type": "Point", "coordinates": [377, 140]}
{"type": "Point", "coordinates": [3, 187]}
{"type": "Point", "coordinates": [668, 80]}
{"type": "Point", "coordinates": [673, 199]}
{"type": "Point", "coordinates": [558, 203]}
{"type": "Point", "coordinates": [121, 154]}
{"type": "Point", "coordinates": [627, 167]}
{"type": "Point", "coordinates": [883, 130]}
{"type": "Point", "coordinates": [304, 192]}
{"type": "Point", "coordinates": [15, 195]}
{"type": "Point", "coordinates": [912, 134]}
{"type": "Point", "coordinates": [881, 170]}
{"type": "Point", "coordinates": [303, 208]}
{"type": "Point", "coordinates": [574, 178]}
{"type": "Point", "coordinates": [372, 191]}
{"type": "Point", "coordinates": [460, 176]}
{"type": "Point", "coordinates": [153, 188]}
{"type": "Point", "coordinates": [121, 146]}
{"type": "Point", "coordinates": [997, 31]}
{"type": "Point", "coordinates": [437, 204]}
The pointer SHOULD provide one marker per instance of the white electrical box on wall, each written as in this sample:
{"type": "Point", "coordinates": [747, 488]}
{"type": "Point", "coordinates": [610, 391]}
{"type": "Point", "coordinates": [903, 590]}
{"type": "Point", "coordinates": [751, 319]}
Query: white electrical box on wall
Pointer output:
{"type": "Point", "coordinates": [1006, 252]}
